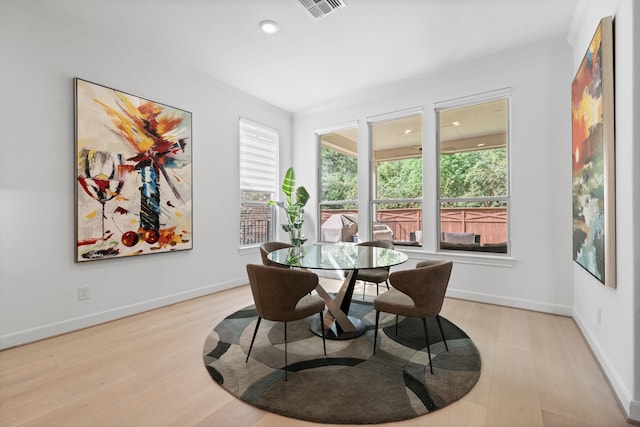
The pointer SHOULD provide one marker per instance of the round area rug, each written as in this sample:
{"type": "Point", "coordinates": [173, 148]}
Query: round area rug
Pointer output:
{"type": "Point", "coordinates": [349, 385]}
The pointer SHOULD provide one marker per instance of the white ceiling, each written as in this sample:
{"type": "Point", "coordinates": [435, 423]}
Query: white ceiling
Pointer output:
{"type": "Point", "coordinates": [308, 63]}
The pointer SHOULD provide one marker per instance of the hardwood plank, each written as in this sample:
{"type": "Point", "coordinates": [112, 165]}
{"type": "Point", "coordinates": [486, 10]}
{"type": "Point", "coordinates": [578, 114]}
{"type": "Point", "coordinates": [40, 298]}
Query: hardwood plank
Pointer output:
{"type": "Point", "coordinates": [231, 414]}
{"type": "Point", "coordinates": [486, 331]}
{"type": "Point", "coordinates": [513, 329]}
{"type": "Point", "coordinates": [39, 398]}
{"type": "Point", "coordinates": [590, 376]}
{"type": "Point", "coordinates": [513, 399]}
{"type": "Point", "coordinates": [461, 413]}
{"type": "Point", "coordinates": [557, 376]}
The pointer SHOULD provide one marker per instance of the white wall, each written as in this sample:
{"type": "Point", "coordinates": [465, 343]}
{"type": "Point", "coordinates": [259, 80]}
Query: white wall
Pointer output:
{"type": "Point", "coordinates": [538, 276]}
{"type": "Point", "coordinates": [616, 341]}
{"type": "Point", "coordinates": [41, 53]}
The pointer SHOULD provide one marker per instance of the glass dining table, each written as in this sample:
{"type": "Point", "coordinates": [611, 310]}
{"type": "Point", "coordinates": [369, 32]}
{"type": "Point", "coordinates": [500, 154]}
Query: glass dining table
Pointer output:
{"type": "Point", "coordinates": [339, 325]}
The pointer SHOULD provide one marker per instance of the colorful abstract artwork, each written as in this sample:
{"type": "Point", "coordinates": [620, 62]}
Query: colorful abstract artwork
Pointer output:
{"type": "Point", "coordinates": [593, 158]}
{"type": "Point", "coordinates": [133, 175]}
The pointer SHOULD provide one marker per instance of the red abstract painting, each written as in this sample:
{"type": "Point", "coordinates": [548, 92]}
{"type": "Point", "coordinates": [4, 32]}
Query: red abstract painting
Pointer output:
{"type": "Point", "coordinates": [133, 174]}
{"type": "Point", "coordinates": [593, 158]}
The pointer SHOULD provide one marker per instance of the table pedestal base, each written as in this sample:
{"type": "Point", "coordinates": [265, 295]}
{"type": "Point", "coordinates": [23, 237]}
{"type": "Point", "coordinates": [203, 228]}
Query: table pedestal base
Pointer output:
{"type": "Point", "coordinates": [335, 332]}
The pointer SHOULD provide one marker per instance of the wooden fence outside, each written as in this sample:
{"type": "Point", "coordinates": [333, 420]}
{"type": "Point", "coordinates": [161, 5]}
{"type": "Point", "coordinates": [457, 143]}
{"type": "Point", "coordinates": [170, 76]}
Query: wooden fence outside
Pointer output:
{"type": "Point", "coordinates": [489, 223]}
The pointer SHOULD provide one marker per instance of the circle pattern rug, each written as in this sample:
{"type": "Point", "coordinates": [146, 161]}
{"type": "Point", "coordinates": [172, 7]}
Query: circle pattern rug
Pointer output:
{"type": "Point", "coordinates": [349, 385]}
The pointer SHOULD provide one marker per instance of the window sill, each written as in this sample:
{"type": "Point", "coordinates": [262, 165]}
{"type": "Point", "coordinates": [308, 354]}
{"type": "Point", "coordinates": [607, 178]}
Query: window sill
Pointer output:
{"type": "Point", "coordinates": [482, 258]}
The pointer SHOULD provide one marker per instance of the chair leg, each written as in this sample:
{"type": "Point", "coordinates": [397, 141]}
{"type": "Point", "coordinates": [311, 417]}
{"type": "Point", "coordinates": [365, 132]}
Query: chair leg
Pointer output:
{"type": "Point", "coordinates": [375, 331]}
{"type": "Point", "coordinates": [324, 343]}
{"type": "Point", "coordinates": [442, 332]}
{"type": "Point", "coordinates": [387, 283]}
{"type": "Point", "coordinates": [426, 334]}
{"type": "Point", "coordinates": [396, 325]}
{"type": "Point", "coordinates": [377, 288]}
{"type": "Point", "coordinates": [286, 365]}
{"type": "Point", "coordinates": [254, 338]}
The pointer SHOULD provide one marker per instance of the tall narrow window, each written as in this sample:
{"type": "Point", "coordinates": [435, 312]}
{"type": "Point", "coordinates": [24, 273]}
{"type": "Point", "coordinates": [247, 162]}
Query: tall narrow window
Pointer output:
{"type": "Point", "coordinates": [396, 145]}
{"type": "Point", "coordinates": [473, 139]}
{"type": "Point", "coordinates": [339, 185]}
{"type": "Point", "coordinates": [258, 181]}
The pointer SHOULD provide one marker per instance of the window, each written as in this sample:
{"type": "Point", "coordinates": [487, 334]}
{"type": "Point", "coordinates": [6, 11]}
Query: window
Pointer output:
{"type": "Point", "coordinates": [258, 181]}
{"type": "Point", "coordinates": [473, 194]}
{"type": "Point", "coordinates": [339, 185]}
{"type": "Point", "coordinates": [396, 144]}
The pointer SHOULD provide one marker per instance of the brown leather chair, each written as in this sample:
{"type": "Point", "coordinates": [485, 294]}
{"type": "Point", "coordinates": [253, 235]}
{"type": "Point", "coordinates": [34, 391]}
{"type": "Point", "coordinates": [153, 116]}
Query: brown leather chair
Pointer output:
{"type": "Point", "coordinates": [375, 275]}
{"type": "Point", "coordinates": [418, 292]}
{"type": "Point", "coordinates": [281, 295]}
{"type": "Point", "coordinates": [267, 247]}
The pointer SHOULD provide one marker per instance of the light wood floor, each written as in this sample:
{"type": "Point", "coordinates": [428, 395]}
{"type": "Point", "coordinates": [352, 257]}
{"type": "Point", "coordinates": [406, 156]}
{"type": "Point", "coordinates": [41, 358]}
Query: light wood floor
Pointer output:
{"type": "Point", "coordinates": [147, 370]}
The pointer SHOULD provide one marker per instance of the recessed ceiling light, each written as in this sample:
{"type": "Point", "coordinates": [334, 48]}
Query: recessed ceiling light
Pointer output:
{"type": "Point", "coordinates": [456, 123]}
{"type": "Point", "coordinates": [407, 131]}
{"type": "Point", "coordinates": [269, 27]}
{"type": "Point", "coordinates": [481, 145]}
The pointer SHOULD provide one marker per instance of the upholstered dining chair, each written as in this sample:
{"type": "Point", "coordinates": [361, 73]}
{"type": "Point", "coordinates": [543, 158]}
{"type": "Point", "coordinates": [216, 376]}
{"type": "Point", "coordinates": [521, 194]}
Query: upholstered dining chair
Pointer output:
{"type": "Point", "coordinates": [267, 247]}
{"type": "Point", "coordinates": [417, 292]}
{"type": "Point", "coordinates": [281, 295]}
{"type": "Point", "coordinates": [375, 275]}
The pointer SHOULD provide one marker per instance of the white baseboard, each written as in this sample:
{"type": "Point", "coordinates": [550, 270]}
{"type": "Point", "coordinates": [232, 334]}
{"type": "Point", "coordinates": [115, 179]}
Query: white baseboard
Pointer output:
{"type": "Point", "coordinates": [634, 412]}
{"type": "Point", "coordinates": [69, 325]}
{"type": "Point", "coordinates": [631, 407]}
{"type": "Point", "coordinates": [544, 307]}
{"type": "Point", "coordinates": [562, 310]}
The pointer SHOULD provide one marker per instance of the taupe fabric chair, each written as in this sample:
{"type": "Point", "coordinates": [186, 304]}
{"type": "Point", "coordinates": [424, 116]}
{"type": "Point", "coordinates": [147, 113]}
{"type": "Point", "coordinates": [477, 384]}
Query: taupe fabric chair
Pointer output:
{"type": "Point", "coordinates": [280, 295]}
{"type": "Point", "coordinates": [267, 247]}
{"type": "Point", "coordinates": [375, 275]}
{"type": "Point", "coordinates": [418, 292]}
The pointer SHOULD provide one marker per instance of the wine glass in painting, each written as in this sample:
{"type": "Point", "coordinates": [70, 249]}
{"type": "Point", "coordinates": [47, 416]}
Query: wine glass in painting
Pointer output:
{"type": "Point", "coordinates": [99, 177]}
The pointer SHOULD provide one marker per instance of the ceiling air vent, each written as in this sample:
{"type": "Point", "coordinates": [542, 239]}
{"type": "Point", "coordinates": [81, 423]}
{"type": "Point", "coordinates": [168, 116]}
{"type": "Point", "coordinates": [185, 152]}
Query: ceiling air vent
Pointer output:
{"type": "Point", "coordinates": [320, 8]}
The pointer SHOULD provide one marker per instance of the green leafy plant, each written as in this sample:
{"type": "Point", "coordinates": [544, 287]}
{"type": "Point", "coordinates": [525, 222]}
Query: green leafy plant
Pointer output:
{"type": "Point", "coordinates": [293, 206]}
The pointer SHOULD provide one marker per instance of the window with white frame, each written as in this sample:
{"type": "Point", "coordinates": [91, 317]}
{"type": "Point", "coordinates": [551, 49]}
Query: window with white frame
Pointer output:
{"type": "Point", "coordinates": [258, 181]}
{"type": "Point", "coordinates": [473, 191]}
{"type": "Point", "coordinates": [396, 154]}
{"type": "Point", "coordinates": [338, 184]}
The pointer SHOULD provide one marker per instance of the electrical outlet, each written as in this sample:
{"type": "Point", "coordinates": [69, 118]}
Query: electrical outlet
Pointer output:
{"type": "Point", "coordinates": [83, 293]}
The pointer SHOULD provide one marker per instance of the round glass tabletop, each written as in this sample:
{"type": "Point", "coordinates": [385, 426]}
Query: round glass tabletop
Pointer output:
{"type": "Point", "coordinates": [337, 257]}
